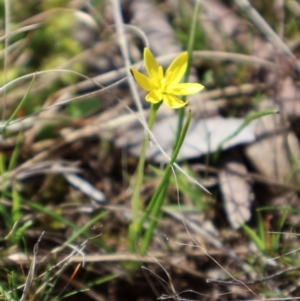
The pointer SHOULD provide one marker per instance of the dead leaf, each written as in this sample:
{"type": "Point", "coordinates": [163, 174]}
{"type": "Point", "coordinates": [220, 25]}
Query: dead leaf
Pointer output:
{"type": "Point", "coordinates": [289, 98]}
{"type": "Point", "coordinates": [153, 22]}
{"type": "Point", "coordinates": [203, 136]}
{"type": "Point", "coordinates": [270, 155]}
{"type": "Point", "coordinates": [237, 193]}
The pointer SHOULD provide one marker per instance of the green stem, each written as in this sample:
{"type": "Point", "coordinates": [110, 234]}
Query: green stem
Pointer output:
{"type": "Point", "coordinates": [157, 205]}
{"type": "Point", "coordinates": [135, 199]}
{"type": "Point", "coordinates": [19, 106]}
{"type": "Point", "coordinates": [157, 199]}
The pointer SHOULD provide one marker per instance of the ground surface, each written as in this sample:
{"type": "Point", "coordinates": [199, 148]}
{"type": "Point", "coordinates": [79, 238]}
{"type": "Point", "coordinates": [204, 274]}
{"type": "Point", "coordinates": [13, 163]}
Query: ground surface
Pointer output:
{"type": "Point", "coordinates": [70, 143]}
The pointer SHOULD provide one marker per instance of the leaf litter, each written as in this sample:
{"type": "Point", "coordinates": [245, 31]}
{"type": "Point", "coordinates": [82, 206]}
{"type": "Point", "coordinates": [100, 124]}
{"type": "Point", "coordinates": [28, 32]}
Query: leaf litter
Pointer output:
{"type": "Point", "coordinates": [96, 153]}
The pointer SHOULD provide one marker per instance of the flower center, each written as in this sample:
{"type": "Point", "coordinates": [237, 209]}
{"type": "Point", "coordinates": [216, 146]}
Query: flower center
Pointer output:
{"type": "Point", "coordinates": [163, 85]}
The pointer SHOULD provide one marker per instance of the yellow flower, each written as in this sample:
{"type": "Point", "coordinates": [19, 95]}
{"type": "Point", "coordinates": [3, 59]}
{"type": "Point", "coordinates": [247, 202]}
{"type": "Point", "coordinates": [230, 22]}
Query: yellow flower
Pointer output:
{"type": "Point", "coordinates": [164, 87]}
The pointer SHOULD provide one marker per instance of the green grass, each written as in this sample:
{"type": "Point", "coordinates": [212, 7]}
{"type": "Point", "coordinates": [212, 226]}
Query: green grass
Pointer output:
{"type": "Point", "coordinates": [35, 196]}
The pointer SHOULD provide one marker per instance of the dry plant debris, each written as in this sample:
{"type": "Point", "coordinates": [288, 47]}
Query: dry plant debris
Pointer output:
{"type": "Point", "coordinates": [72, 124]}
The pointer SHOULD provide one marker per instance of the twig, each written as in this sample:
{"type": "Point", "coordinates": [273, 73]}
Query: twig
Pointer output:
{"type": "Point", "coordinates": [242, 283]}
{"type": "Point", "coordinates": [116, 9]}
{"type": "Point", "coordinates": [264, 27]}
{"type": "Point", "coordinates": [32, 269]}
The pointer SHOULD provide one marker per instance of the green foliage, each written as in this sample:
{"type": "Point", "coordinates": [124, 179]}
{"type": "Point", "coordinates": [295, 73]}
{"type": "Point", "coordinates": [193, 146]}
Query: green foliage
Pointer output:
{"type": "Point", "coordinates": [84, 108]}
{"type": "Point", "coordinates": [51, 4]}
{"type": "Point", "coordinates": [44, 201]}
{"type": "Point", "coordinates": [102, 280]}
{"type": "Point", "coordinates": [268, 242]}
{"type": "Point", "coordinates": [292, 27]}
{"type": "Point", "coordinates": [53, 43]}
{"type": "Point", "coordinates": [11, 74]}
{"type": "Point", "coordinates": [182, 183]}
{"type": "Point", "coordinates": [246, 121]}
{"type": "Point", "coordinates": [193, 192]}
{"type": "Point", "coordinates": [182, 24]}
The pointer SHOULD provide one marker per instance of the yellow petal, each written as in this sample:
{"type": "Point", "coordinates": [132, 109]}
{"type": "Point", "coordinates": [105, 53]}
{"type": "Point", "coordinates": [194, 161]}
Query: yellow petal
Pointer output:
{"type": "Point", "coordinates": [154, 97]}
{"type": "Point", "coordinates": [177, 68]}
{"type": "Point", "coordinates": [185, 89]}
{"type": "Point", "coordinates": [151, 64]}
{"type": "Point", "coordinates": [142, 80]}
{"type": "Point", "coordinates": [173, 101]}
{"type": "Point", "coordinates": [160, 73]}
